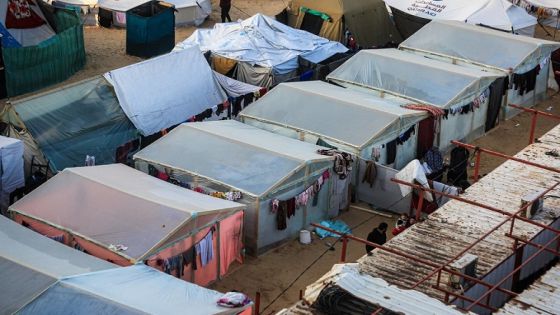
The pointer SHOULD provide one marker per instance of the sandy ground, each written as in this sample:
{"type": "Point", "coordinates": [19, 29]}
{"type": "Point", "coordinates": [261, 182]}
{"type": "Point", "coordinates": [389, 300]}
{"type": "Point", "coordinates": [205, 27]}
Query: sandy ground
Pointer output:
{"type": "Point", "coordinates": [275, 271]}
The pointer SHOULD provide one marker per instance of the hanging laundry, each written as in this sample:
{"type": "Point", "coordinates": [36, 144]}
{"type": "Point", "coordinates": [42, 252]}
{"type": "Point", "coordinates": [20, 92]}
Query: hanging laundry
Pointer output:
{"type": "Point", "coordinates": [58, 238]}
{"type": "Point", "coordinates": [189, 258]}
{"type": "Point", "coordinates": [401, 139]}
{"type": "Point", "coordinates": [391, 151]}
{"type": "Point", "coordinates": [434, 111]}
{"type": "Point", "coordinates": [205, 249]}
{"type": "Point", "coordinates": [526, 82]}
{"type": "Point", "coordinates": [434, 159]}
{"type": "Point", "coordinates": [342, 162]}
{"type": "Point", "coordinates": [20, 15]}
{"type": "Point", "coordinates": [291, 207]}
{"type": "Point", "coordinates": [370, 173]}
{"type": "Point", "coordinates": [282, 216]}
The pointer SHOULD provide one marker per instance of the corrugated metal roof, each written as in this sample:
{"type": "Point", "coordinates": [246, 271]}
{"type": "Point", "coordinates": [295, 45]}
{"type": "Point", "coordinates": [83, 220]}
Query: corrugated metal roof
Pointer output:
{"type": "Point", "coordinates": [542, 297]}
{"type": "Point", "coordinates": [454, 226]}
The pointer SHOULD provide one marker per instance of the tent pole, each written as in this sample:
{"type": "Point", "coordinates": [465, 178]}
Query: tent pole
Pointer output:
{"type": "Point", "coordinates": [219, 251]}
{"type": "Point", "coordinates": [305, 185]}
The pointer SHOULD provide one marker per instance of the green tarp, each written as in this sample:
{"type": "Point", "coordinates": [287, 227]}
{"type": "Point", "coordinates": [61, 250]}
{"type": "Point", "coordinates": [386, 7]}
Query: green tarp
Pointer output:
{"type": "Point", "coordinates": [150, 29]}
{"type": "Point", "coordinates": [52, 61]}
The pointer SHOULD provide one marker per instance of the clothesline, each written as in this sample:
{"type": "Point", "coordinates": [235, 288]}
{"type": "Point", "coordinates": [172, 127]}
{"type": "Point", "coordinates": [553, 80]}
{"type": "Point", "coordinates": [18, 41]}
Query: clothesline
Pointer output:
{"type": "Point", "coordinates": [285, 209]}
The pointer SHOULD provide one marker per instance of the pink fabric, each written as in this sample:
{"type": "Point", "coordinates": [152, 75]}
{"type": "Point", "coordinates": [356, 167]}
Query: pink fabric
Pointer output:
{"type": "Point", "coordinates": [41, 227]}
{"type": "Point", "coordinates": [231, 239]}
{"type": "Point", "coordinates": [101, 252]}
{"type": "Point", "coordinates": [248, 311]}
{"type": "Point", "coordinates": [91, 248]}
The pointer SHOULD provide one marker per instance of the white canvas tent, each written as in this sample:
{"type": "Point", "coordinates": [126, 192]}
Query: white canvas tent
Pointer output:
{"type": "Point", "coordinates": [355, 122]}
{"type": "Point", "coordinates": [187, 11]}
{"type": "Point", "coordinates": [30, 263]}
{"type": "Point", "coordinates": [130, 290]}
{"type": "Point", "coordinates": [392, 73]}
{"type": "Point", "coordinates": [498, 14]}
{"type": "Point", "coordinates": [352, 121]}
{"type": "Point", "coordinates": [546, 11]}
{"type": "Point", "coordinates": [23, 37]}
{"type": "Point", "coordinates": [11, 169]}
{"type": "Point", "coordinates": [478, 47]}
{"type": "Point", "coordinates": [157, 93]}
{"type": "Point", "coordinates": [266, 51]}
{"type": "Point", "coordinates": [225, 156]}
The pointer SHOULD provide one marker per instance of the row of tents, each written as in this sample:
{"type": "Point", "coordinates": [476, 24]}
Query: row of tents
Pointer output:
{"type": "Point", "coordinates": [52, 49]}
{"type": "Point", "coordinates": [47, 277]}
{"type": "Point", "coordinates": [127, 109]}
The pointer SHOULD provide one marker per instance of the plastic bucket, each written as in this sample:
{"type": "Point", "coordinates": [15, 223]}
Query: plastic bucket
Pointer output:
{"type": "Point", "coordinates": [304, 237]}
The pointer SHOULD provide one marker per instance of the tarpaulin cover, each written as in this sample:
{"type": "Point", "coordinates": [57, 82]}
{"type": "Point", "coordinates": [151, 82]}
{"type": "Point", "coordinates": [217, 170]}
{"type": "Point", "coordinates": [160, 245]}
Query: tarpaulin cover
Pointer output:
{"type": "Point", "coordinates": [368, 21]}
{"type": "Point", "coordinates": [229, 152]}
{"type": "Point", "coordinates": [51, 61]}
{"type": "Point", "coordinates": [413, 173]}
{"type": "Point", "coordinates": [30, 263]}
{"type": "Point", "coordinates": [26, 36]}
{"type": "Point", "coordinates": [137, 289]}
{"type": "Point", "coordinates": [233, 87]}
{"type": "Point", "coordinates": [75, 121]}
{"type": "Point", "coordinates": [116, 204]}
{"type": "Point", "coordinates": [481, 45]}
{"type": "Point", "coordinates": [165, 91]}
{"type": "Point", "coordinates": [494, 13]}
{"type": "Point", "coordinates": [191, 11]}
{"type": "Point", "coordinates": [120, 5]}
{"type": "Point", "coordinates": [331, 111]}
{"type": "Point", "coordinates": [410, 75]}
{"type": "Point", "coordinates": [11, 156]}
{"type": "Point", "coordinates": [262, 41]}
{"type": "Point", "coordinates": [337, 225]}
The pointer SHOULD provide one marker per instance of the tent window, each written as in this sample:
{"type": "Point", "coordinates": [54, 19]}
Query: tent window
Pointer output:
{"type": "Point", "coordinates": [312, 23]}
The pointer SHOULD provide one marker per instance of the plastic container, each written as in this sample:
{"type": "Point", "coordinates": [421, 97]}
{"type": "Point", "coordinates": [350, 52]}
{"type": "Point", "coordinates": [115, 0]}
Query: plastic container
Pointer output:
{"type": "Point", "coordinates": [304, 237]}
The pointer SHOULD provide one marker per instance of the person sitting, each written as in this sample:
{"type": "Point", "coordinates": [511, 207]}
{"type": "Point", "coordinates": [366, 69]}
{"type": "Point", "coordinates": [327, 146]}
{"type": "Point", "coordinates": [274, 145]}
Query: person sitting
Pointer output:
{"type": "Point", "coordinates": [401, 225]}
{"type": "Point", "coordinates": [377, 236]}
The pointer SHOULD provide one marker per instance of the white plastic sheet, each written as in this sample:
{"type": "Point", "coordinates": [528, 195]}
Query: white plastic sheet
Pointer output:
{"type": "Point", "coordinates": [11, 154]}
{"type": "Point", "coordinates": [413, 173]}
{"type": "Point", "coordinates": [162, 92]}
{"type": "Point", "coordinates": [262, 41]}
{"type": "Point", "coordinates": [233, 87]}
{"type": "Point", "coordinates": [120, 5]}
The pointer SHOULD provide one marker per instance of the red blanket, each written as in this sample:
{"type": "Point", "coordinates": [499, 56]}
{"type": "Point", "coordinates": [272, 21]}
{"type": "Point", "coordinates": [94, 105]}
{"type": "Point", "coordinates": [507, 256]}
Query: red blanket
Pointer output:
{"type": "Point", "coordinates": [21, 15]}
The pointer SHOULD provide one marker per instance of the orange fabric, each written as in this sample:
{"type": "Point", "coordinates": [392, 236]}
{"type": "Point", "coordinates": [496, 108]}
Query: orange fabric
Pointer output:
{"type": "Point", "coordinates": [231, 239]}
{"type": "Point", "coordinates": [41, 227]}
{"type": "Point", "coordinates": [101, 252]}
{"type": "Point", "coordinates": [223, 65]}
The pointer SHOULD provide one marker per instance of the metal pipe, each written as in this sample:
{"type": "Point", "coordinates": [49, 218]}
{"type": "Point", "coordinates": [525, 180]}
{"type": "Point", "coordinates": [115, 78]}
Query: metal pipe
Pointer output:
{"type": "Point", "coordinates": [474, 203]}
{"type": "Point", "coordinates": [522, 240]}
{"type": "Point", "coordinates": [512, 273]}
{"type": "Point", "coordinates": [476, 165]}
{"type": "Point", "coordinates": [462, 297]}
{"type": "Point", "coordinates": [343, 253]}
{"type": "Point", "coordinates": [532, 129]}
{"type": "Point", "coordinates": [413, 258]}
{"type": "Point", "coordinates": [494, 229]}
{"type": "Point", "coordinates": [378, 311]}
{"type": "Point", "coordinates": [531, 110]}
{"type": "Point", "coordinates": [505, 156]}
{"type": "Point", "coordinates": [257, 303]}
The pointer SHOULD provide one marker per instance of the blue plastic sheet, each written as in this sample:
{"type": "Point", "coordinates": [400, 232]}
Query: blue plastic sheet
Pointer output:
{"type": "Point", "coordinates": [337, 225]}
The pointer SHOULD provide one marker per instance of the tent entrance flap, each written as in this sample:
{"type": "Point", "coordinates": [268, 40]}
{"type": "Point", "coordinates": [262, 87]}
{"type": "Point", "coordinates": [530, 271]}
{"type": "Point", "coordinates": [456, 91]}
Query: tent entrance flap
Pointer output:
{"type": "Point", "coordinates": [312, 23]}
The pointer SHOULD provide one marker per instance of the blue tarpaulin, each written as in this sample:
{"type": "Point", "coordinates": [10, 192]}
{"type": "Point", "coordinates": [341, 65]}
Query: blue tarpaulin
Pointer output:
{"type": "Point", "coordinates": [337, 225]}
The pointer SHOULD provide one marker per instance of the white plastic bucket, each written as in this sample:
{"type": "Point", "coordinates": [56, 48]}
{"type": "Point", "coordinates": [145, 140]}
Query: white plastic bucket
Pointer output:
{"type": "Point", "coordinates": [304, 237]}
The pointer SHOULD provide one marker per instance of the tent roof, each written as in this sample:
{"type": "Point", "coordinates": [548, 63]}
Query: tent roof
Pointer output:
{"type": "Point", "coordinates": [116, 204]}
{"type": "Point", "coordinates": [8, 142]}
{"type": "Point", "coordinates": [327, 110]}
{"type": "Point", "coordinates": [15, 37]}
{"type": "Point", "coordinates": [412, 76]}
{"type": "Point", "coordinates": [261, 40]}
{"type": "Point", "coordinates": [136, 289]}
{"type": "Point", "coordinates": [120, 5]}
{"type": "Point", "coordinates": [500, 14]}
{"type": "Point", "coordinates": [74, 121]}
{"type": "Point", "coordinates": [155, 95]}
{"type": "Point", "coordinates": [241, 156]}
{"type": "Point", "coordinates": [479, 44]}
{"type": "Point", "coordinates": [30, 263]}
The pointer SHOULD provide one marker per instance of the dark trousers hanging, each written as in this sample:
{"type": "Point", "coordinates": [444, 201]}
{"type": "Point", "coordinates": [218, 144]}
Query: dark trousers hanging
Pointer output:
{"type": "Point", "coordinates": [426, 134]}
